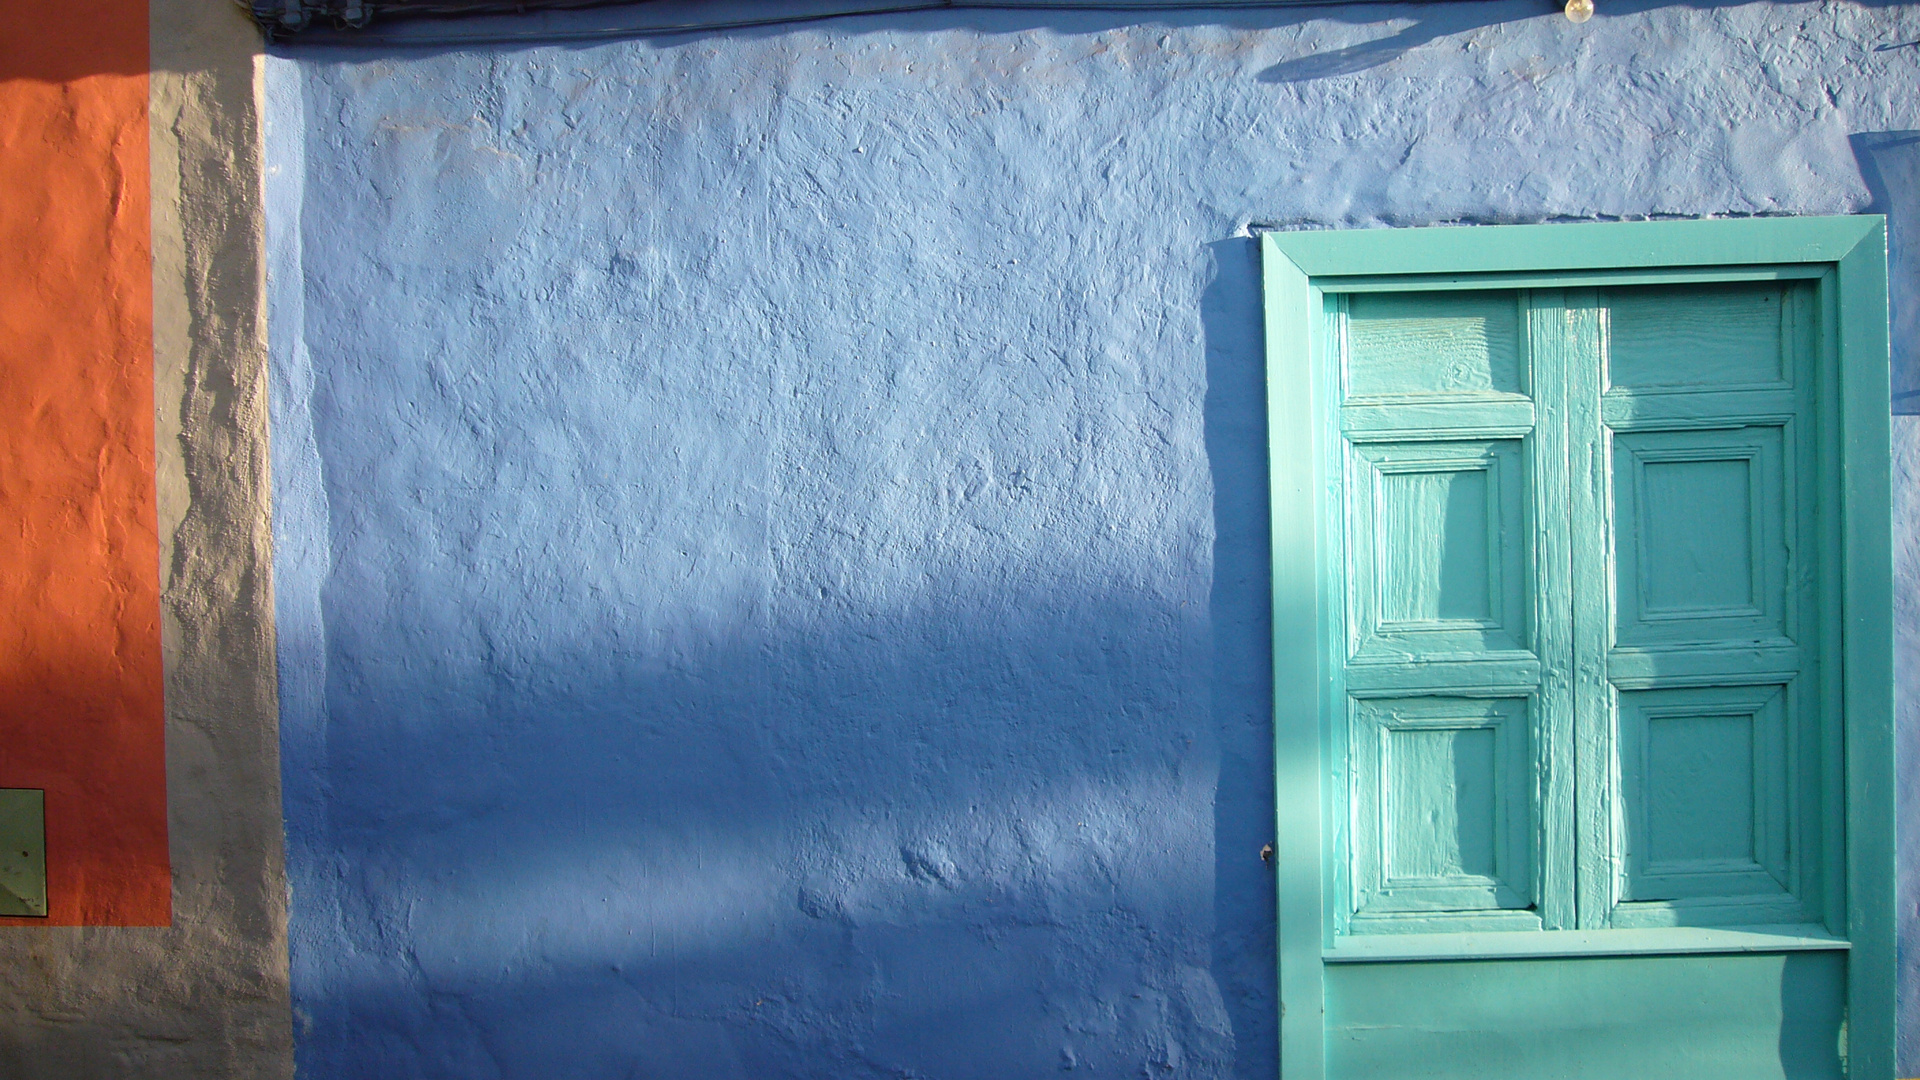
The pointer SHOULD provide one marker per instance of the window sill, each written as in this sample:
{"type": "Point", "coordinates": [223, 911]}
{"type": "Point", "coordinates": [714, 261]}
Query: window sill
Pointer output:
{"type": "Point", "coordinates": [1668, 941]}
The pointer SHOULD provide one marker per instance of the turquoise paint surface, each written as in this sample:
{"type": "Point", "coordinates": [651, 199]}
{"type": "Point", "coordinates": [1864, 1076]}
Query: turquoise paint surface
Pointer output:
{"type": "Point", "coordinates": [770, 537]}
{"type": "Point", "coordinates": [1711, 1017]}
{"type": "Point", "coordinates": [1751, 848]}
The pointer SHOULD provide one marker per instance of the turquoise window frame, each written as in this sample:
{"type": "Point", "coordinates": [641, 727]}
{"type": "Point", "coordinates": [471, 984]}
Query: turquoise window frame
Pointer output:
{"type": "Point", "coordinates": [1847, 256]}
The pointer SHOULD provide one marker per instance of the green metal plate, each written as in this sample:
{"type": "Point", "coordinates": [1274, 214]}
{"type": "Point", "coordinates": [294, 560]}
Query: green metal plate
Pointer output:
{"type": "Point", "coordinates": [23, 852]}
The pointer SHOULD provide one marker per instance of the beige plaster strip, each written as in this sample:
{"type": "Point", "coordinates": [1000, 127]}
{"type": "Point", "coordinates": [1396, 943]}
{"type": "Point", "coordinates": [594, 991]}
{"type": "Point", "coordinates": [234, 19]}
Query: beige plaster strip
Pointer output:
{"type": "Point", "coordinates": [210, 375]}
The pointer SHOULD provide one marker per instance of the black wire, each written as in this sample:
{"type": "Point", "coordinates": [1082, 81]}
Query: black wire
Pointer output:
{"type": "Point", "coordinates": [363, 40]}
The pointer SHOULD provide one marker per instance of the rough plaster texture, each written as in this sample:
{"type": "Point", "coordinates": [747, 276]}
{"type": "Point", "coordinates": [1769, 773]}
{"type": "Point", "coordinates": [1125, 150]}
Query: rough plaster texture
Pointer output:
{"type": "Point", "coordinates": [770, 525]}
{"type": "Point", "coordinates": [223, 761]}
{"type": "Point", "coordinates": [206, 997]}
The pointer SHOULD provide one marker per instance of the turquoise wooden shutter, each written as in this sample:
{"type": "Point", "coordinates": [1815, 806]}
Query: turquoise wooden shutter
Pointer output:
{"type": "Point", "coordinates": [1596, 785]}
{"type": "Point", "coordinates": [1448, 715]}
{"type": "Point", "coordinates": [1708, 523]}
{"type": "Point", "coordinates": [1628, 462]}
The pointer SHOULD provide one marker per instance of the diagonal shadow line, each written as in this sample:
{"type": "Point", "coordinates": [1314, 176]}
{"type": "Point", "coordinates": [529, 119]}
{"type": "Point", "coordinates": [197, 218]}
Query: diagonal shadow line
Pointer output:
{"type": "Point", "coordinates": [1371, 54]}
{"type": "Point", "coordinates": [1350, 60]}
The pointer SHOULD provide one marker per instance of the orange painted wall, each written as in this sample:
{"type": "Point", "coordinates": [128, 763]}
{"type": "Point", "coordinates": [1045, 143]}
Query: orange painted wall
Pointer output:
{"type": "Point", "coordinates": [81, 711]}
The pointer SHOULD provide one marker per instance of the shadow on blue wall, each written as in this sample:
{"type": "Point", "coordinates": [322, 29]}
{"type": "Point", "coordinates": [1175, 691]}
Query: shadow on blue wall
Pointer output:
{"type": "Point", "coordinates": [749, 862]}
{"type": "Point", "coordinates": [1242, 616]}
{"type": "Point", "coordinates": [1890, 166]}
{"type": "Point", "coordinates": [747, 866]}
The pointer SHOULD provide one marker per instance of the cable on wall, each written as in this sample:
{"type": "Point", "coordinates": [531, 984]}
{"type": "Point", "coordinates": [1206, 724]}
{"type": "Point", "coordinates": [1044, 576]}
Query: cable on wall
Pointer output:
{"type": "Point", "coordinates": [280, 19]}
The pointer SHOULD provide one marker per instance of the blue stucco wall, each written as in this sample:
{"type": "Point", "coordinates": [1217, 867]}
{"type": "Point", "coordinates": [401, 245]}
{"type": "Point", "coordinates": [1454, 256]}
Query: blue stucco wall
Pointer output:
{"type": "Point", "coordinates": [770, 541]}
